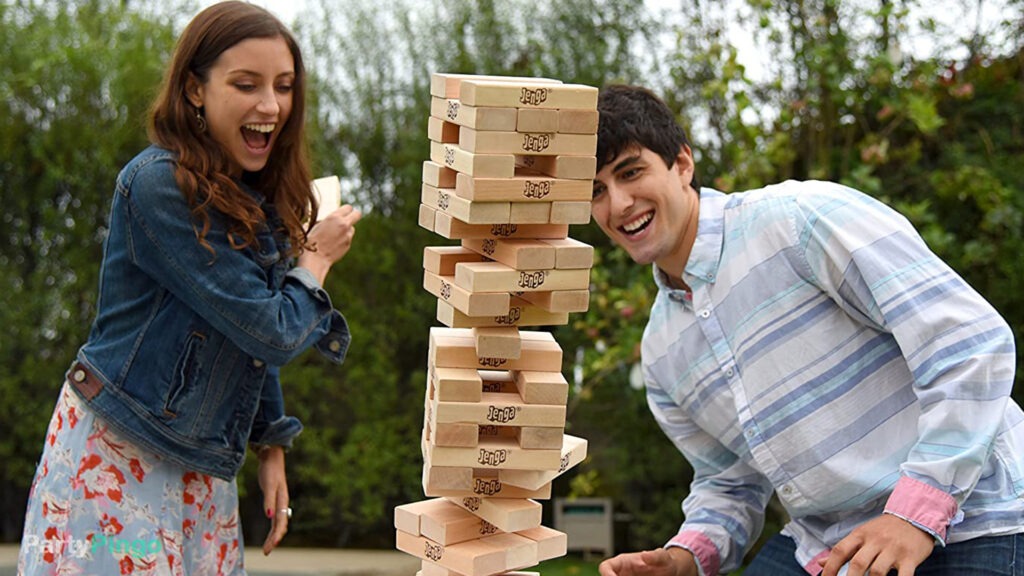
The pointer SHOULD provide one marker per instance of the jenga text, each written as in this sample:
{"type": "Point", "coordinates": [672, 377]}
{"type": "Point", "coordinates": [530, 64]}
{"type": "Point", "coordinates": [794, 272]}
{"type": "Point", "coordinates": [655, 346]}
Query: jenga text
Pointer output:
{"type": "Point", "coordinates": [535, 189]}
{"type": "Point", "coordinates": [433, 551]}
{"type": "Point", "coordinates": [536, 142]}
{"type": "Point", "coordinates": [515, 314]}
{"type": "Point", "coordinates": [501, 415]}
{"type": "Point", "coordinates": [453, 110]}
{"type": "Point", "coordinates": [492, 457]}
{"type": "Point", "coordinates": [446, 290]}
{"type": "Point", "coordinates": [449, 155]}
{"type": "Point", "coordinates": [504, 230]}
{"type": "Point", "coordinates": [533, 97]}
{"type": "Point", "coordinates": [563, 464]}
{"type": "Point", "coordinates": [487, 528]}
{"type": "Point", "coordinates": [443, 200]}
{"type": "Point", "coordinates": [532, 279]}
{"type": "Point", "coordinates": [486, 487]}
{"type": "Point", "coordinates": [492, 362]}
{"type": "Point", "coordinates": [489, 246]}
{"type": "Point", "coordinates": [472, 503]}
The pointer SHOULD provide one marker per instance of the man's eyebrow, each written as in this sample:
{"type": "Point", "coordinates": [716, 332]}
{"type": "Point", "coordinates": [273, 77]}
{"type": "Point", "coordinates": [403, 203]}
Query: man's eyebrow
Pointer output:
{"type": "Point", "coordinates": [626, 162]}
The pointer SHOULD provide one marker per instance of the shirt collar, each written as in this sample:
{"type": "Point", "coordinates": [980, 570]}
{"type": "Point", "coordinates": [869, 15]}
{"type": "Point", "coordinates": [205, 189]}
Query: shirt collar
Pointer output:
{"type": "Point", "coordinates": [706, 254]}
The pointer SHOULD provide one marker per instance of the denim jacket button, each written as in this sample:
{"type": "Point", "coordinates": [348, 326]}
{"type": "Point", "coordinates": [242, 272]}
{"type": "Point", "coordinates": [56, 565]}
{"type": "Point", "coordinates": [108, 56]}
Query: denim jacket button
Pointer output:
{"type": "Point", "coordinates": [79, 375]}
{"type": "Point", "coordinates": [257, 362]}
{"type": "Point", "coordinates": [334, 346]}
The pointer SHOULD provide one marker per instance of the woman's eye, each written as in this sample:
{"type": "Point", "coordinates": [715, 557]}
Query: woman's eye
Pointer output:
{"type": "Point", "coordinates": [284, 88]}
{"type": "Point", "coordinates": [246, 87]}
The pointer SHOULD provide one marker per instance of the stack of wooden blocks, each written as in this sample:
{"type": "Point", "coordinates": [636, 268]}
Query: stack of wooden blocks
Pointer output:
{"type": "Point", "coordinates": [512, 164]}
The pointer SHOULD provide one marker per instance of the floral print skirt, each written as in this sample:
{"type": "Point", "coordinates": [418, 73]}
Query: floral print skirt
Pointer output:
{"type": "Point", "coordinates": [99, 504]}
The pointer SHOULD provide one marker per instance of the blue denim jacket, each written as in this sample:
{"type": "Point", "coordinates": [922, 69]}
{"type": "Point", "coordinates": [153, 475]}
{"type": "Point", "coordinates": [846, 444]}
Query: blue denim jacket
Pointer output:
{"type": "Point", "coordinates": [186, 346]}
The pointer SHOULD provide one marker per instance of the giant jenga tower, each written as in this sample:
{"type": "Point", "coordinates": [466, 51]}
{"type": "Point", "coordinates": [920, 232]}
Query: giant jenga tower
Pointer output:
{"type": "Point", "coordinates": [511, 167]}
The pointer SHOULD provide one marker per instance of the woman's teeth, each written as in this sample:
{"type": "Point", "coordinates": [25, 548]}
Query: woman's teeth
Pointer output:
{"type": "Point", "coordinates": [265, 128]}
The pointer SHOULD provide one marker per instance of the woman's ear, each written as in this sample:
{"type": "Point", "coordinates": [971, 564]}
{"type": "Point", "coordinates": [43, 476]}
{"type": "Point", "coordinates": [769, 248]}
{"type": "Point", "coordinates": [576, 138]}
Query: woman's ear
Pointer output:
{"type": "Point", "coordinates": [194, 90]}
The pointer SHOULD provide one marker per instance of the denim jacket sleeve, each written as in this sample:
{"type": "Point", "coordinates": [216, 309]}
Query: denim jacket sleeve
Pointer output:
{"type": "Point", "coordinates": [271, 426]}
{"type": "Point", "coordinates": [228, 288]}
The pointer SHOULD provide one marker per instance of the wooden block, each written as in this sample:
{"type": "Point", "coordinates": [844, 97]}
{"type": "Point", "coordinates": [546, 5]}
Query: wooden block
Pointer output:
{"type": "Point", "coordinates": [428, 568]}
{"type": "Point", "coordinates": [569, 212]}
{"type": "Point", "coordinates": [454, 229]}
{"type": "Point", "coordinates": [456, 435]}
{"type": "Point", "coordinates": [460, 352]}
{"type": "Point", "coordinates": [446, 523]}
{"type": "Point", "coordinates": [550, 542]}
{"type": "Point", "coordinates": [456, 384]}
{"type": "Point", "coordinates": [445, 200]}
{"type": "Point", "coordinates": [481, 277]}
{"type": "Point", "coordinates": [542, 387]}
{"type": "Point", "coordinates": [574, 450]}
{"type": "Point", "coordinates": [501, 410]}
{"type": "Point", "coordinates": [440, 131]}
{"type": "Point", "coordinates": [571, 167]}
{"type": "Point", "coordinates": [497, 342]}
{"type": "Point", "coordinates": [427, 217]}
{"type": "Point", "coordinates": [559, 300]}
{"type": "Point", "coordinates": [530, 213]}
{"type": "Point", "coordinates": [443, 177]}
{"type": "Point", "coordinates": [570, 253]}
{"type": "Point", "coordinates": [540, 438]}
{"type": "Point", "coordinates": [441, 260]}
{"type": "Point", "coordinates": [520, 313]}
{"type": "Point", "coordinates": [498, 454]}
{"type": "Point", "coordinates": [520, 551]}
{"type": "Point", "coordinates": [327, 191]}
{"type": "Point", "coordinates": [527, 94]}
{"type": "Point", "coordinates": [522, 188]}
{"type": "Point", "coordinates": [536, 120]}
{"type": "Point", "coordinates": [527, 143]}
{"type": "Point", "coordinates": [407, 516]}
{"type": "Point", "coordinates": [578, 121]}
{"type": "Point", "coordinates": [479, 304]}
{"type": "Point", "coordinates": [509, 515]}
{"type": "Point", "coordinates": [483, 165]}
{"type": "Point", "coordinates": [451, 110]}
{"type": "Point", "coordinates": [470, 558]}
{"type": "Point", "coordinates": [447, 477]}
{"type": "Point", "coordinates": [520, 254]}
{"type": "Point", "coordinates": [446, 85]}
{"type": "Point", "coordinates": [490, 487]}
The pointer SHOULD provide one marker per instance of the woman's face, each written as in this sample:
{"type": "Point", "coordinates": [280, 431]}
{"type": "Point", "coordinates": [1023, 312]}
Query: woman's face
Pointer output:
{"type": "Point", "coordinates": [247, 99]}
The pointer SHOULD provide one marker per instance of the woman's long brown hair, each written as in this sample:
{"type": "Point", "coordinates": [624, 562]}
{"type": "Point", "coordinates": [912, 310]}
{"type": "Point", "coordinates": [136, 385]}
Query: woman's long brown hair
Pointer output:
{"type": "Point", "coordinates": [203, 165]}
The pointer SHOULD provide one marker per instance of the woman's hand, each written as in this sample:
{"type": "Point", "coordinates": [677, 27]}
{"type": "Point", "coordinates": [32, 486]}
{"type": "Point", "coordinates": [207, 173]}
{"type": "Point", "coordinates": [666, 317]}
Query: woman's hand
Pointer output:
{"type": "Point", "coordinates": [274, 485]}
{"type": "Point", "coordinates": [330, 239]}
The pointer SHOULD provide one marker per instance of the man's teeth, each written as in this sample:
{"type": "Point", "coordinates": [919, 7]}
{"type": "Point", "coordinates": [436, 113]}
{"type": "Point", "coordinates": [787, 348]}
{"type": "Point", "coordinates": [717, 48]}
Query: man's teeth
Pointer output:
{"type": "Point", "coordinates": [260, 127]}
{"type": "Point", "coordinates": [638, 223]}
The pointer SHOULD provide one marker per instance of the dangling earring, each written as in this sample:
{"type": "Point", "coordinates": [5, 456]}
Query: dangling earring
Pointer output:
{"type": "Point", "coordinates": [200, 120]}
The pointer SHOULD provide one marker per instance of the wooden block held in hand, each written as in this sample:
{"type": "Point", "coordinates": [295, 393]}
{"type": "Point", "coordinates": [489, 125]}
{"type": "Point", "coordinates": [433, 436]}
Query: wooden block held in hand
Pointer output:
{"type": "Point", "coordinates": [327, 191]}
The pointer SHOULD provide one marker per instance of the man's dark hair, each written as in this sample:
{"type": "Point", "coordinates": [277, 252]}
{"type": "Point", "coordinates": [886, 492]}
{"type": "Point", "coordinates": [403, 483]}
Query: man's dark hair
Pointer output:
{"type": "Point", "coordinates": [635, 116]}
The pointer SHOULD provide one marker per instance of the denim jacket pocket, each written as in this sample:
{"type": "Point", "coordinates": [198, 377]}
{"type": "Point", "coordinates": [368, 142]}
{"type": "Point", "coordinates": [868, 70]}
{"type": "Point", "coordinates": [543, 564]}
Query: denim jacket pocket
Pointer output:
{"type": "Point", "coordinates": [186, 374]}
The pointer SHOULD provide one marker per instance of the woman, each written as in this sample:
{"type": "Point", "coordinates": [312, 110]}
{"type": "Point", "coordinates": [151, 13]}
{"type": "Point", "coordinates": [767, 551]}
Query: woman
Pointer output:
{"type": "Point", "coordinates": [210, 282]}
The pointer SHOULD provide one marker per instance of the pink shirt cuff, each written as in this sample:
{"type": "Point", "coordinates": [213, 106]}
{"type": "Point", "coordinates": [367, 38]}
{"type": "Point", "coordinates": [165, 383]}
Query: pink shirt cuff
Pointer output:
{"type": "Point", "coordinates": [701, 547]}
{"type": "Point", "coordinates": [924, 506]}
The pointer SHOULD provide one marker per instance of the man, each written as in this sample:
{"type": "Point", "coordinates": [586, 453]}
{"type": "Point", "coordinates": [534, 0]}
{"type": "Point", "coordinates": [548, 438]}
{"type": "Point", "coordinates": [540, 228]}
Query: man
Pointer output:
{"type": "Point", "coordinates": [805, 341]}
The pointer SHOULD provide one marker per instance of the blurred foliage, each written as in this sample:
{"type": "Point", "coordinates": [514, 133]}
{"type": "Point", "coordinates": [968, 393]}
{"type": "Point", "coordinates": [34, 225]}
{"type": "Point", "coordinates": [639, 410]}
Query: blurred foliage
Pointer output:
{"type": "Point", "coordinates": [939, 136]}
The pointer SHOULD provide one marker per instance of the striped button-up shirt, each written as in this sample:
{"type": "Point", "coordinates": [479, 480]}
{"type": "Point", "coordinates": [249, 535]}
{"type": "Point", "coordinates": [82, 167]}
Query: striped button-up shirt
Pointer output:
{"type": "Point", "coordinates": [824, 353]}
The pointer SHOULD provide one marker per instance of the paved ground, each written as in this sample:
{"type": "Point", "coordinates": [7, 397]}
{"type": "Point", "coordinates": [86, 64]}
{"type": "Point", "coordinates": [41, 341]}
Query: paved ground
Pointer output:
{"type": "Point", "coordinates": [295, 562]}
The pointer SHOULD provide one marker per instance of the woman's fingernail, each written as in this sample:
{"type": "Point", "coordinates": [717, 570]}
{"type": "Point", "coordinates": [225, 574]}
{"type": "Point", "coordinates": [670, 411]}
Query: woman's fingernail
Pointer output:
{"type": "Point", "coordinates": [270, 513]}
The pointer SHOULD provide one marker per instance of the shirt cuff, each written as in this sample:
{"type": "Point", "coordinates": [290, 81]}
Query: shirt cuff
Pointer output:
{"type": "Point", "coordinates": [702, 548]}
{"type": "Point", "coordinates": [924, 506]}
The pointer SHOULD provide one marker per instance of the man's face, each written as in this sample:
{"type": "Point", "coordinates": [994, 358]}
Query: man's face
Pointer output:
{"type": "Point", "coordinates": [645, 206]}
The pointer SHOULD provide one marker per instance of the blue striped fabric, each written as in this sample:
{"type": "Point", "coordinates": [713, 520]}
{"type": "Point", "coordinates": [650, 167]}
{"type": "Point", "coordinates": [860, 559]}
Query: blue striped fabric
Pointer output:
{"type": "Point", "coordinates": [824, 353]}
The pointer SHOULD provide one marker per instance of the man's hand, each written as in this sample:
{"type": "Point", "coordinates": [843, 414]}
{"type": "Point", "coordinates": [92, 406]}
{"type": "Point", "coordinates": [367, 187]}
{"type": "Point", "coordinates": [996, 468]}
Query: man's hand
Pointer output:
{"type": "Point", "coordinates": [275, 494]}
{"type": "Point", "coordinates": [661, 562]}
{"type": "Point", "coordinates": [885, 543]}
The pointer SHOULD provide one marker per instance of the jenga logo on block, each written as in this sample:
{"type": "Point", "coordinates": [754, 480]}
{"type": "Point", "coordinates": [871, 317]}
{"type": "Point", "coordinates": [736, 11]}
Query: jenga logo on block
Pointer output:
{"type": "Point", "coordinates": [453, 110]}
{"type": "Point", "coordinates": [504, 229]}
{"type": "Point", "coordinates": [490, 429]}
{"type": "Point", "coordinates": [515, 313]}
{"type": "Point", "coordinates": [446, 290]}
{"type": "Point", "coordinates": [486, 487]}
{"type": "Point", "coordinates": [492, 457]}
{"type": "Point", "coordinates": [442, 200]}
{"type": "Point", "coordinates": [492, 362]}
{"type": "Point", "coordinates": [491, 387]}
{"type": "Point", "coordinates": [563, 464]}
{"type": "Point", "coordinates": [532, 189]}
{"type": "Point", "coordinates": [487, 528]}
{"type": "Point", "coordinates": [536, 142]}
{"type": "Point", "coordinates": [471, 503]}
{"type": "Point", "coordinates": [531, 279]}
{"type": "Point", "coordinates": [449, 156]}
{"type": "Point", "coordinates": [533, 97]}
{"type": "Point", "coordinates": [490, 245]}
{"type": "Point", "coordinates": [432, 551]}
{"type": "Point", "coordinates": [501, 415]}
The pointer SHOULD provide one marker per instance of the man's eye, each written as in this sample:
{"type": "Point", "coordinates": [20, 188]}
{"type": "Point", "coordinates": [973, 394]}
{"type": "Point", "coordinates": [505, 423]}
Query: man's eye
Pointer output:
{"type": "Point", "coordinates": [631, 173]}
{"type": "Point", "coordinates": [597, 192]}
